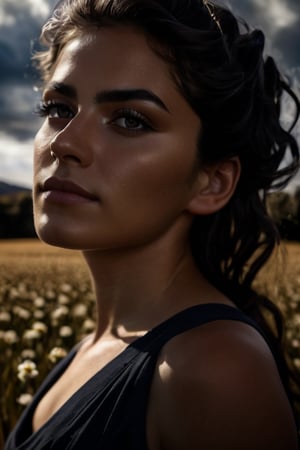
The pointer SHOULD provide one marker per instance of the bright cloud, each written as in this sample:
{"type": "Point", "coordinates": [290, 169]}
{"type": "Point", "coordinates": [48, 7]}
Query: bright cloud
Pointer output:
{"type": "Point", "coordinates": [6, 19]}
{"type": "Point", "coordinates": [34, 8]}
{"type": "Point", "coordinates": [39, 8]}
{"type": "Point", "coordinates": [279, 15]}
{"type": "Point", "coordinates": [16, 160]}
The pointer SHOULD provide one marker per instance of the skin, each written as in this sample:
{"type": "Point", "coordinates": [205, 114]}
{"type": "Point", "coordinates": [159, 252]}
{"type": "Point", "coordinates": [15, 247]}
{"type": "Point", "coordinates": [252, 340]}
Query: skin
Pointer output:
{"type": "Point", "coordinates": [144, 175]}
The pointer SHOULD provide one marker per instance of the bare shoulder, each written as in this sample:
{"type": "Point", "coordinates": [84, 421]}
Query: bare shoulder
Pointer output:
{"type": "Point", "coordinates": [218, 387]}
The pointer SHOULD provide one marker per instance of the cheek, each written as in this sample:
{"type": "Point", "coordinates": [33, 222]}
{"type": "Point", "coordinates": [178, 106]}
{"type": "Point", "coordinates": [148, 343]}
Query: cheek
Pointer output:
{"type": "Point", "coordinates": [41, 161]}
{"type": "Point", "coordinates": [157, 177]}
{"type": "Point", "coordinates": [168, 172]}
{"type": "Point", "coordinates": [150, 200]}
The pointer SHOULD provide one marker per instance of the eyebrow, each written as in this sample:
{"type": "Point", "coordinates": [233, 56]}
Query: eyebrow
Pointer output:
{"type": "Point", "coordinates": [107, 96]}
{"type": "Point", "coordinates": [61, 88]}
{"type": "Point", "coordinates": [123, 95]}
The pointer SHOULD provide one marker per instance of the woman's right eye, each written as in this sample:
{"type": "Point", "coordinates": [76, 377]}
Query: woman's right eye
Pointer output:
{"type": "Point", "coordinates": [54, 110]}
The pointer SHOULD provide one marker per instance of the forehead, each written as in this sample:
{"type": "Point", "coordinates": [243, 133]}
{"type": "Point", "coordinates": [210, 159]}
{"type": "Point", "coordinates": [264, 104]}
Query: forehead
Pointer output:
{"type": "Point", "coordinates": [116, 58]}
{"type": "Point", "coordinates": [114, 54]}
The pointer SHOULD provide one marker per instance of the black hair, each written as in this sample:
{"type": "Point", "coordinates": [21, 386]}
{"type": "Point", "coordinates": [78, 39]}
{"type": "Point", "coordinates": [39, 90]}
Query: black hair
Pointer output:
{"type": "Point", "coordinates": [219, 67]}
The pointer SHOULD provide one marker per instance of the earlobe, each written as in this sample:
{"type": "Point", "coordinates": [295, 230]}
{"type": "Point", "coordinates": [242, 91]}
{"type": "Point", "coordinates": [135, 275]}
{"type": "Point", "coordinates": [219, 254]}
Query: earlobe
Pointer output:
{"type": "Point", "coordinates": [214, 186]}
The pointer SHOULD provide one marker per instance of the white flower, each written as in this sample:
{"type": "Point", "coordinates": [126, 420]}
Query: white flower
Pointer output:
{"type": "Point", "coordinates": [63, 299]}
{"type": "Point", "coordinates": [56, 354]}
{"type": "Point", "coordinates": [39, 302]}
{"type": "Point", "coordinates": [297, 362]}
{"type": "Point", "coordinates": [27, 369]}
{"type": "Point", "coordinates": [22, 313]}
{"type": "Point", "coordinates": [10, 337]}
{"type": "Point", "coordinates": [24, 399]}
{"type": "Point", "coordinates": [88, 325]}
{"type": "Point", "coordinates": [13, 293]}
{"type": "Point", "coordinates": [59, 312]}
{"type": "Point", "coordinates": [38, 314]}
{"type": "Point", "coordinates": [66, 287]}
{"type": "Point", "coordinates": [65, 331]}
{"type": "Point", "coordinates": [80, 310]}
{"type": "Point", "coordinates": [5, 316]}
{"type": "Point", "coordinates": [40, 327]}
{"type": "Point", "coordinates": [31, 335]}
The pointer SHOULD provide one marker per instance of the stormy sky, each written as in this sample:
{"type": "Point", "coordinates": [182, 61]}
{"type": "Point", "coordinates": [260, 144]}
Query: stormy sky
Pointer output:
{"type": "Point", "coordinates": [20, 23]}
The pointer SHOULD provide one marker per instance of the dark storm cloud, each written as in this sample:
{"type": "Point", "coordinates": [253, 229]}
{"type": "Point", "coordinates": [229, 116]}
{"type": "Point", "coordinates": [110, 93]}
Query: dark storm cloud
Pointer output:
{"type": "Point", "coordinates": [288, 41]}
{"type": "Point", "coordinates": [279, 20]}
{"type": "Point", "coordinates": [15, 47]}
{"type": "Point", "coordinates": [16, 110]}
{"type": "Point", "coordinates": [20, 24]}
{"type": "Point", "coordinates": [7, 61]}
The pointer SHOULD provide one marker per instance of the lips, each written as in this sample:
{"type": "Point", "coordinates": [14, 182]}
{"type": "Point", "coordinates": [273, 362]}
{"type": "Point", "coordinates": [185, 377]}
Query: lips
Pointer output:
{"type": "Point", "coordinates": [56, 185]}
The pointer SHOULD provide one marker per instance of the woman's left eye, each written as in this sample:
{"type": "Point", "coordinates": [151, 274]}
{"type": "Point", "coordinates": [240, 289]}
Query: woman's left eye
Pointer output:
{"type": "Point", "coordinates": [130, 120]}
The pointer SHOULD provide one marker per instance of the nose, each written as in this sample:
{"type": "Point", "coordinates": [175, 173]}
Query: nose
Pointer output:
{"type": "Point", "coordinates": [70, 144]}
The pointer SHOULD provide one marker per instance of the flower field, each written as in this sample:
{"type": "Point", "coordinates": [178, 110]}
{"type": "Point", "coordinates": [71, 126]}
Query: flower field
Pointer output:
{"type": "Point", "coordinates": [47, 305]}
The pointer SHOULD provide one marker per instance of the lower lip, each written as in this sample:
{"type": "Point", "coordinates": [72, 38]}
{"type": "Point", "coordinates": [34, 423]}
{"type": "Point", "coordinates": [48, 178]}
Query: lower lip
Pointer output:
{"type": "Point", "coordinates": [66, 198]}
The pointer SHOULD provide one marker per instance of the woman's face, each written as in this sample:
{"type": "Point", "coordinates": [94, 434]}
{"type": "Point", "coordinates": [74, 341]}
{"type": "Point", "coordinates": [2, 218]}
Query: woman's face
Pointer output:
{"type": "Point", "coordinates": [123, 141]}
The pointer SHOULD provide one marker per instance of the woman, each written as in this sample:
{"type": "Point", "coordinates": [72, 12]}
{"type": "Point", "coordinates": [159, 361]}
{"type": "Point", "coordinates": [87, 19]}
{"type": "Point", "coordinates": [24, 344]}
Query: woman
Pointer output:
{"type": "Point", "coordinates": [161, 138]}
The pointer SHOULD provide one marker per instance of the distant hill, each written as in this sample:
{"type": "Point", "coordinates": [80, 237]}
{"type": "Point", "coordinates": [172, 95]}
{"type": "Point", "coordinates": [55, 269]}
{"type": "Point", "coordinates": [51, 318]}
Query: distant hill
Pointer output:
{"type": "Point", "coordinates": [16, 212]}
{"type": "Point", "coordinates": [7, 189]}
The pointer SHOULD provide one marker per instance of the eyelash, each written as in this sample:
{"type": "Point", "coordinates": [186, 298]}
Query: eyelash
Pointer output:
{"type": "Point", "coordinates": [128, 113]}
{"type": "Point", "coordinates": [44, 107]}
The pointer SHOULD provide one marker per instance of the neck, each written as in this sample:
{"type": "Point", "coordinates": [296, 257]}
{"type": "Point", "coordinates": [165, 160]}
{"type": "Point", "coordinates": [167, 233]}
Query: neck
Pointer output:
{"type": "Point", "coordinates": [138, 288]}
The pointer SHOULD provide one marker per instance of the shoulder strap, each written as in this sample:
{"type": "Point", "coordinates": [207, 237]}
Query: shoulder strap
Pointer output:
{"type": "Point", "coordinates": [190, 318]}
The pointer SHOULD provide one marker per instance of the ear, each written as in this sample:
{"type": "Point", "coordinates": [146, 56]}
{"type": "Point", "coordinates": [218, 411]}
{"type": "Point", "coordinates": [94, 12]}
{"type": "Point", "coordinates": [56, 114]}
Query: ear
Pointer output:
{"type": "Point", "coordinates": [214, 186]}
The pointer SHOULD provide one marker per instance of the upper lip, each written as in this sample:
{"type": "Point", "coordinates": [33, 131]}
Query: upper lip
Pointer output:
{"type": "Point", "coordinates": [57, 184]}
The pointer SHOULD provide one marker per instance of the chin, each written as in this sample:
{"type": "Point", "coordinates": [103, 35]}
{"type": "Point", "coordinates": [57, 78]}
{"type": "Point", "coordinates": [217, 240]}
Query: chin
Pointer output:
{"type": "Point", "coordinates": [57, 233]}
{"type": "Point", "coordinates": [57, 237]}
{"type": "Point", "coordinates": [70, 239]}
{"type": "Point", "coordinates": [57, 241]}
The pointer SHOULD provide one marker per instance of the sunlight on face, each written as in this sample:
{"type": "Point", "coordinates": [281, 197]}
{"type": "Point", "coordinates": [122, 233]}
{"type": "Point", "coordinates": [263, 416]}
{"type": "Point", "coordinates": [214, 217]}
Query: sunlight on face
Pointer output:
{"type": "Point", "coordinates": [119, 130]}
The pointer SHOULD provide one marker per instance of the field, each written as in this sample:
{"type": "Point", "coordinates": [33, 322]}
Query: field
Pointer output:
{"type": "Point", "coordinates": [47, 304]}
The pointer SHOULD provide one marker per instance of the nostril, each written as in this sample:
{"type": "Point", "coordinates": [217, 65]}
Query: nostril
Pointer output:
{"type": "Point", "coordinates": [72, 158]}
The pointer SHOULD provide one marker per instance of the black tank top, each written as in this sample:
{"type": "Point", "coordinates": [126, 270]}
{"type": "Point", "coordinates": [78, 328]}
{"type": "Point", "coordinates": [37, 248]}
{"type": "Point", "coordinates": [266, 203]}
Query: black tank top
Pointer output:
{"type": "Point", "coordinates": [109, 411]}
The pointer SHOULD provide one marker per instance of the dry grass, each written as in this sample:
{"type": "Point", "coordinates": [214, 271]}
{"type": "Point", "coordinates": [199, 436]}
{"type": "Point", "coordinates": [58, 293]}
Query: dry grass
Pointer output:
{"type": "Point", "coordinates": [47, 304]}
